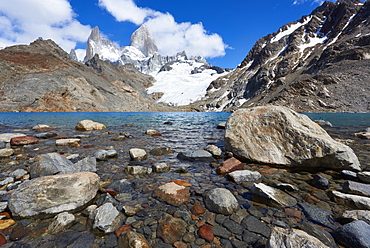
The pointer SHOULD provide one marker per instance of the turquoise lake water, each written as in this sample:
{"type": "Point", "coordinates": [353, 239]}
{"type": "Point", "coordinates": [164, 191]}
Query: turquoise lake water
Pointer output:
{"type": "Point", "coordinates": [345, 121]}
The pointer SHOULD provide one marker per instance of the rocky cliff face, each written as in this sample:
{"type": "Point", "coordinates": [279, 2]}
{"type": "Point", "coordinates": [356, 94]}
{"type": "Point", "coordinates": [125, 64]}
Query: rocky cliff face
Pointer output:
{"type": "Point", "coordinates": [43, 77]}
{"type": "Point", "coordinates": [141, 40]}
{"type": "Point", "coordinates": [316, 64]}
{"type": "Point", "coordinates": [142, 52]}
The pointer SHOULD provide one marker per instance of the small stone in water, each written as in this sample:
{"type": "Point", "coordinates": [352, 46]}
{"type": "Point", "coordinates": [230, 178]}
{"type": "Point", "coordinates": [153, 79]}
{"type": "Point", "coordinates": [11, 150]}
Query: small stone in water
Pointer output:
{"type": "Point", "coordinates": [206, 233]}
{"type": "Point", "coordinates": [230, 165]}
{"type": "Point", "coordinates": [23, 140]}
{"type": "Point", "coordinates": [151, 132]}
{"type": "Point", "coordinates": [161, 167]}
{"type": "Point", "coordinates": [197, 209]}
{"type": "Point", "coordinates": [138, 154]}
{"type": "Point", "coordinates": [4, 153]}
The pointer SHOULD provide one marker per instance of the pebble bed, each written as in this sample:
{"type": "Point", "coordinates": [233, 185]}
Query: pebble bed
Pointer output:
{"type": "Point", "coordinates": [250, 226]}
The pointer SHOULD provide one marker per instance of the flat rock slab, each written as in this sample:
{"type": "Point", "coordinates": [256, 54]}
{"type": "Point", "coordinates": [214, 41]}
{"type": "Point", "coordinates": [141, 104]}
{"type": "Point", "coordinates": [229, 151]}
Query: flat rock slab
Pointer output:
{"type": "Point", "coordinates": [349, 216]}
{"type": "Point", "coordinates": [49, 195]}
{"type": "Point", "coordinates": [317, 215]}
{"type": "Point", "coordinates": [241, 176]}
{"type": "Point", "coordinates": [356, 188]}
{"type": "Point", "coordinates": [281, 237]}
{"type": "Point", "coordinates": [355, 201]}
{"type": "Point", "coordinates": [196, 156]}
{"type": "Point", "coordinates": [271, 196]}
{"type": "Point", "coordinates": [278, 135]}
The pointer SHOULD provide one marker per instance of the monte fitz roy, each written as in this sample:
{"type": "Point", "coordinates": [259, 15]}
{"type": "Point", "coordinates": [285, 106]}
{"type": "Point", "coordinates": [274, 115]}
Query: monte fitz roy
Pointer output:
{"type": "Point", "coordinates": [318, 63]}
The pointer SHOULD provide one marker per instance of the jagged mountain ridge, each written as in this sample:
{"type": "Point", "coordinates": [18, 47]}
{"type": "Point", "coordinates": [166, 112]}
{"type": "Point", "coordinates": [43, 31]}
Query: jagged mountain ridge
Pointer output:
{"type": "Point", "coordinates": [142, 51]}
{"type": "Point", "coordinates": [43, 77]}
{"type": "Point", "coordinates": [316, 64]}
{"type": "Point", "coordinates": [180, 79]}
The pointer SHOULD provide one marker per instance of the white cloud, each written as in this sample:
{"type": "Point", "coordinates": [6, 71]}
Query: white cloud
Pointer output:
{"type": "Point", "coordinates": [80, 53]}
{"type": "Point", "coordinates": [22, 21]}
{"type": "Point", "coordinates": [126, 10]}
{"type": "Point", "coordinates": [170, 37]}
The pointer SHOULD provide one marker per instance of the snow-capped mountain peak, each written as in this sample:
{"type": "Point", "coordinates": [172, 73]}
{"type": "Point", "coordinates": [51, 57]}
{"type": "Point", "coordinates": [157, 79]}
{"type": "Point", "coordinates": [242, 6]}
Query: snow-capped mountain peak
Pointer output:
{"type": "Point", "coordinates": [97, 44]}
{"type": "Point", "coordinates": [179, 79]}
{"type": "Point", "coordinates": [141, 40]}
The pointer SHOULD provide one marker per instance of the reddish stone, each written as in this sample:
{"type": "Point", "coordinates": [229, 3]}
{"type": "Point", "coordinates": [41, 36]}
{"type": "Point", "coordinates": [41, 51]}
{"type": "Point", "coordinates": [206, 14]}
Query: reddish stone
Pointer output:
{"type": "Point", "coordinates": [268, 171]}
{"type": "Point", "coordinates": [122, 229]}
{"type": "Point", "coordinates": [19, 233]}
{"type": "Point", "coordinates": [230, 165]}
{"type": "Point", "coordinates": [88, 146]}
{"type": "Point", "coordinates": [311, 199]}
{"type": "Point", "coordinates": [2, 240]}
{"type": "Point", "coordinates": [171, 229]}
{"type": "Point", "coordinates": [6, 214]}
{"type": "Point", "coordinates": [112, 192]}
{"type": "Point", "coordinates": [291, 212]}
{"type": "Point", "coordinates": [206, 233]}
{"type": "Point", "coordinates": [23, 140]}
{"type": "Point", "coordinates": [182, 183]}
{"type": "Point", "coordinates": [156, 135]}
{"type": "Point", "coordinates": [197, 209]}
{"type": "Point", "coordinates": [173, 193]}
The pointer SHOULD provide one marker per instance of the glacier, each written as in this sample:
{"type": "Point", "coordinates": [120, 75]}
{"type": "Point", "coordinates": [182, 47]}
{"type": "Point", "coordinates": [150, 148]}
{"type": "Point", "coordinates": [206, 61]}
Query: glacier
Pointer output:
{"type": "Point", "coordinates": [181, 79]}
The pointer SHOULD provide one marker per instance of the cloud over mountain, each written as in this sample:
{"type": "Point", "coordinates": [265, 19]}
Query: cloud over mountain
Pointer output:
{"type": "Point", "coordinates": [22, 21]}
{"type": "Point", "coordinates": [170, 37]}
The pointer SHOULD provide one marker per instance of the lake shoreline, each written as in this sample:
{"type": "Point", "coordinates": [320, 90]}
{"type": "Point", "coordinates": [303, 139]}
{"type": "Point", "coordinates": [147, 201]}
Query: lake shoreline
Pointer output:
{"type": "Point", "coordinates": [250, 225]}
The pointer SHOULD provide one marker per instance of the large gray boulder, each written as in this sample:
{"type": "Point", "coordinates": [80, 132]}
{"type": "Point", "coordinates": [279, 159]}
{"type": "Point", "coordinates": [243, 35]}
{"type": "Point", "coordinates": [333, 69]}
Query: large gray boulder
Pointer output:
{"type": "Point", "coordinates": [50, 195]}
{"type": "Point", "coordinates": [278, 135]}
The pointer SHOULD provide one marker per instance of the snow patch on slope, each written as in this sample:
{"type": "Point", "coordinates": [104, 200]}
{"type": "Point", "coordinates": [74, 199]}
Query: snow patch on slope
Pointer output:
{"type": "Point", "coordinates": [290, 29]}
{"type": "Point", "coordinates": [180, 86]}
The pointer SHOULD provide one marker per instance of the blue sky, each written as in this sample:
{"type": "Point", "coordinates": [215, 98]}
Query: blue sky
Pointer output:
{"type": "Point", "coordinates": [222, 31]}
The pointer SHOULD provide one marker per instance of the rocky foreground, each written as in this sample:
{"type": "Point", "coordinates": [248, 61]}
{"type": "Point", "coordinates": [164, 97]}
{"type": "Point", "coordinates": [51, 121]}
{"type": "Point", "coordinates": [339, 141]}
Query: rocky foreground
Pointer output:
{"type": "Point", "coordinates": [280, 181]}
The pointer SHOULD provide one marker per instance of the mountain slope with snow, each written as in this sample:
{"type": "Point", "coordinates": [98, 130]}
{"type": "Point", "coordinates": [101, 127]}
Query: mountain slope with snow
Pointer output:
{"type": "Point", "coordinates": [316, 64]}
{"type": "Point", "coordinates": [181, 84]}
{"type": "Point", "coordinates": [179, 80]}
